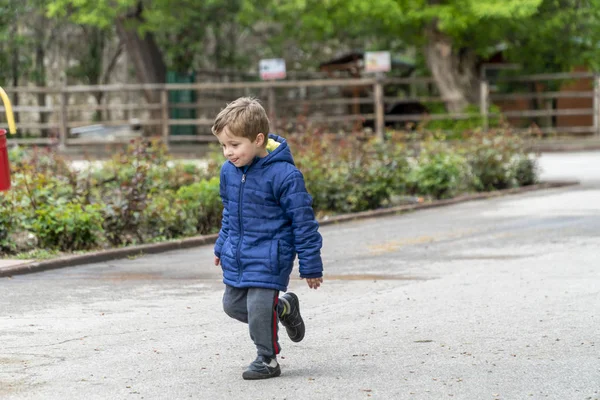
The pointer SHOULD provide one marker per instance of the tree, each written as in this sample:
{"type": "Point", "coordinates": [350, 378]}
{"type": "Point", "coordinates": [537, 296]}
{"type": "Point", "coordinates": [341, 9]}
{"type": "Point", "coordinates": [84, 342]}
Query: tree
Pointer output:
{"type": "Point", "coordinates": [560, 35]}
{"type": "Point", "coordinates": [129, 18]}
{"type": "Point", "coordinates": [162, 32]}
{"type": "Point", "coordinates": [91, 68]}
{"type": "Point", "coordinates": [30, 35]}
{"type": "Point", "coordinates": [11, 43]}
{"type": "Point", "coordinates": [453, 34]}
{"type": "Point", "coordinates": [27, 36]}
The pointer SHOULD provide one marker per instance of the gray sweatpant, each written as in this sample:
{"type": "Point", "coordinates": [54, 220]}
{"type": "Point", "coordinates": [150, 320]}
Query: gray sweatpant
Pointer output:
{"type": "Point", "coordinates": [259, 309]}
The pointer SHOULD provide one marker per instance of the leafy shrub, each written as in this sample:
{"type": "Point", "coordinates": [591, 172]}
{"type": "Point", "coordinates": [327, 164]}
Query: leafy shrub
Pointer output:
{"type": "Point", "coordinates": [456, 129]}
{"type": "Point", "coordinates": [202, 205]}
{"type": "Point", "coordinates": [7, 224]}
{"type": "Point", "coordinates": [35, 189]}
{"type": "Point", "coordinates": [16, 155]}
{"type": "Point", "coordinates": [349, 174]}
{"type": "Point", "coordinates": [172, 176]}
{"type": "Point", "coordinates": [525, 169]}
{"type": "Point", "coordinates": [165, 218]}
{"type": "Point", "coordinates": [381, 173]}
{"type": "Point", "coordinates": [491, 156]}
{"type": "Point", "coordinates": [68, 226]}
{"type": "Point", "coordinates": [439, 172]}
{"type": "Point", "coordinates": [124, 207]}
{"type": "Point", "coordinates": [141, 195]}
{"type": "Point", "coordinates": [126, 191]}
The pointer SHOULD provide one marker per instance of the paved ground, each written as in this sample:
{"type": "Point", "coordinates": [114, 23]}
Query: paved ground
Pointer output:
{"type": "Point", "coordinates": [492, 299]}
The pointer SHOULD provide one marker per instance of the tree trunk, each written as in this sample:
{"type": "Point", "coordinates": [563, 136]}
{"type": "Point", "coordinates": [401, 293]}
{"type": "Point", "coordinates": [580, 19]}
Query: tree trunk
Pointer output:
{"type": "Point", "coordinates": [40, 80]}
{"type": "Point", "coordinates": [147, 59]}
{"type": "Point", "coordinates": [45, 33]}
{"type": "Point", "coordinates": [106, 77]}
{"type": "Point", "coordinates": [111, 65]}
{"type": "Point", "coordinates": [454, 71]}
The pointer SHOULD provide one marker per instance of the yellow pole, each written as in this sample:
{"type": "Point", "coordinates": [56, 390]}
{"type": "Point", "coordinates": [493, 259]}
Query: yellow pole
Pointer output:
{"type": "Point", "coordinates": [9, 112]}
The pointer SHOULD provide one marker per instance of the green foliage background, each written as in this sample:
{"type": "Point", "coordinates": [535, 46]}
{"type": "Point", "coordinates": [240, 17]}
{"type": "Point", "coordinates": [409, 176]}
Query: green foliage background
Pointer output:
{"type": "Point", "coordinates": [141, 195]}
{"type": "Point", "coordinates": [540, 35]}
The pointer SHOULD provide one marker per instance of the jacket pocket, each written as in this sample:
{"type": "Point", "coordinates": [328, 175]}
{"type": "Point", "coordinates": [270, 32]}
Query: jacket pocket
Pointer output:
{"type": "Point", "coordinates": [285, 255]}
{"type": "Point", "coordinates": [226, 249]}
{"type": "Point", "coordinates": [282, 257]}
{"type": "Point", "coordinates": [228, 257]}
{"type": "Point", "coordinates": [274, 259]}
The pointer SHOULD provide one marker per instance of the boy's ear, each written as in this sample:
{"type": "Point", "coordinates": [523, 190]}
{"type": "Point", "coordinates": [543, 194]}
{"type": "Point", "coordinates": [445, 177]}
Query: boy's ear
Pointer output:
{"type": "Point", "coordinates": [260, 139]}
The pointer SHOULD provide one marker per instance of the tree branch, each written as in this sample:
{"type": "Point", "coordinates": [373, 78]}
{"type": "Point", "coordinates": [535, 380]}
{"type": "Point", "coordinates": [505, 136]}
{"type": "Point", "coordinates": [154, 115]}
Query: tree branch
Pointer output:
{"type": "Point", "coordinates": [113, 62]}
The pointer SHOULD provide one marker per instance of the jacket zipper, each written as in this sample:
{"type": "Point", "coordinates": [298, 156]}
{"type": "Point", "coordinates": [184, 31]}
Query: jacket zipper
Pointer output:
{"type": "Point", "coordinates": [239, 246]}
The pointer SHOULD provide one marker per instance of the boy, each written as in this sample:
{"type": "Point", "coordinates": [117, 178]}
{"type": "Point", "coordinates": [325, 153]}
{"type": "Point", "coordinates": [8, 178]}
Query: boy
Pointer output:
{"type": "Point", "coordinates": [267, 219]}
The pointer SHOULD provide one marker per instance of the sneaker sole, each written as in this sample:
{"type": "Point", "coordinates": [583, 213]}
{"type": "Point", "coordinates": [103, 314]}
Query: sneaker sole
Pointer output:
{"type": "Point", "coordinates": [296, 340]}
{"type": "Point", "coordinates": [251, 376]}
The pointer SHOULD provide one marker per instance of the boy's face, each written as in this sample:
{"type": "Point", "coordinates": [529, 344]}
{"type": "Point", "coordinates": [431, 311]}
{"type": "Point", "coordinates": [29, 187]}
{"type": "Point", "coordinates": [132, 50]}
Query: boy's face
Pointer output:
{"type": "Point", "coordinates": [240, 150]}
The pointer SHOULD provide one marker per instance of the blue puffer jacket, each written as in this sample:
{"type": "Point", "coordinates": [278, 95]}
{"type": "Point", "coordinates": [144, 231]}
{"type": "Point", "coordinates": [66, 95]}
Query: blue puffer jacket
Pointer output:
{"type": "Point", "coordinates": [267, 219]}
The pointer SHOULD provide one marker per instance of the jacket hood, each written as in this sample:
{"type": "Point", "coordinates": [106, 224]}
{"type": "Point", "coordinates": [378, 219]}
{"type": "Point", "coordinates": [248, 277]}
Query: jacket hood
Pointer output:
{"type": "Point", "coordinates": [281, 154]}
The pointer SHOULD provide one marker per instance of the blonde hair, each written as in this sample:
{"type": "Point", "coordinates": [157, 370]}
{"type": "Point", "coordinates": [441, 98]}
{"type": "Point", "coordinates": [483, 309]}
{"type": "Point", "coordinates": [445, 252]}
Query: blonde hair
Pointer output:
{"type": "Point", "coordinates": [243, 117]}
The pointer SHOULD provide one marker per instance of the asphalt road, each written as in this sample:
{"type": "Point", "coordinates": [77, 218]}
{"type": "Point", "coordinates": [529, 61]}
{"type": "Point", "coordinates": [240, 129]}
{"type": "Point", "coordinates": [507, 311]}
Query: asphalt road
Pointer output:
{"type": "Point", "coordinates": [494, 299]}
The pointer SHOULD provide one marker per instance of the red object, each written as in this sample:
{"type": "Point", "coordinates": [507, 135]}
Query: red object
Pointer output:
{"type": "Point", "coordinates": [4, 165]}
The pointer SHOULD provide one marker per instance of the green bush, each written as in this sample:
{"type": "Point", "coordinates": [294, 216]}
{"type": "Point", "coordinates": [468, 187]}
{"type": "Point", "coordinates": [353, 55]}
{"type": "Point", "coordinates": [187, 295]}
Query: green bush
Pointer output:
{"type": "Point", "coordinates": [141, 195]}
{"type": "Point", "coordinates": [68, 226]}
{"type": "Point", "coordinates": [137, 194]}
{"type": "Point", "coordinates": [491, 156]}
{"type": "Point", "coordinates": [35, 189]}
{"type": "Point", "coordinates": [195, 208]}
{"type": "Point", "coordinates": [382, 172]}
{"type": "Point", "coordinates": [202, 205]}
{"type": "Point", "coordinates": [526, 170]}
{"type": "Point", "coordinates": [348, 174]}
{"type": "Point", "coordinates": [320, 178]}
{"type": "Point", "coordinates": [165, 218]}
{"type": "Point", "coordinates": [7, 224]}
{"type": "Point", "coordinates": [439, 172]}
{"type": "Point", "coordinates": [371, 184]}
{"type": "Point", "coordinates": [456, 129]}
{"type": "Point", "coordinates": [172, 176]}
{"type": "Point", "coordinates": [128, 184]}
{"type": "Point", "coordinates": [125, 205]}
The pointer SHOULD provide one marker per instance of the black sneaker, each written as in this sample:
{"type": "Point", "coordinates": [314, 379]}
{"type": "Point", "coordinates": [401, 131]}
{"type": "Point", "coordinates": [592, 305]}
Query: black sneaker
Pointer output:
{"type": "Point", "coordinates": [262, 368]}
{"type": "Point", "coordinates": [292, 320]}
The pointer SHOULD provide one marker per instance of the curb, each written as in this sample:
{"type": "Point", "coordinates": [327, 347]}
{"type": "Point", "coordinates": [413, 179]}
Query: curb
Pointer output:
{"type": "Point", "coordinates": [196, 241]}
{"type": "Point", "coordinates": [564, 145]}
{"type": "Point", "coordinates": [107, 255]}
{"type": "Point", "coordinates": [440, 203]}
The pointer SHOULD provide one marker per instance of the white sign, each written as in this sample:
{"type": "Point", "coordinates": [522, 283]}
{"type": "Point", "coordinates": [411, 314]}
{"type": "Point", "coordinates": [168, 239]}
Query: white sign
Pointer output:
{"type": "Point", "coordinates": [273, 68]}
{"type": "Point", "coordinates": [378, 61]}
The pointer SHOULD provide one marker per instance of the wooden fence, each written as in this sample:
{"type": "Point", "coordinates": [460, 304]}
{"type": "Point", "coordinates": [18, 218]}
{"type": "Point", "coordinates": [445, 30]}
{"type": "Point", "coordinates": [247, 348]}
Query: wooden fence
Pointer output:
{"type": "Point", "coordinates": [558, 104]}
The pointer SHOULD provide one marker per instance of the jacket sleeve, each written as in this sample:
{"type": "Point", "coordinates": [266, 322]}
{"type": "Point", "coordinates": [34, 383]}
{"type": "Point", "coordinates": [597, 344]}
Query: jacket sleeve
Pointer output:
{"type": "Point", "coordinates": [224, 232]}
{"type": "Point", "coordinates": [297, 205]}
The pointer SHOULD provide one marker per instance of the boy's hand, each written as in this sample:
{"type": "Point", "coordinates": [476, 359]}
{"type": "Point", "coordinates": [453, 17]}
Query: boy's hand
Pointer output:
{"type": "Point", "coordinates": [217, 261]}
{"type": "Point", "coordinates": [314, 283]}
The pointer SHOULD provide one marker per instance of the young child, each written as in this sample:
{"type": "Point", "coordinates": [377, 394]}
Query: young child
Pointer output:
{"type": "Point", "coordinates": [267, 219]}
